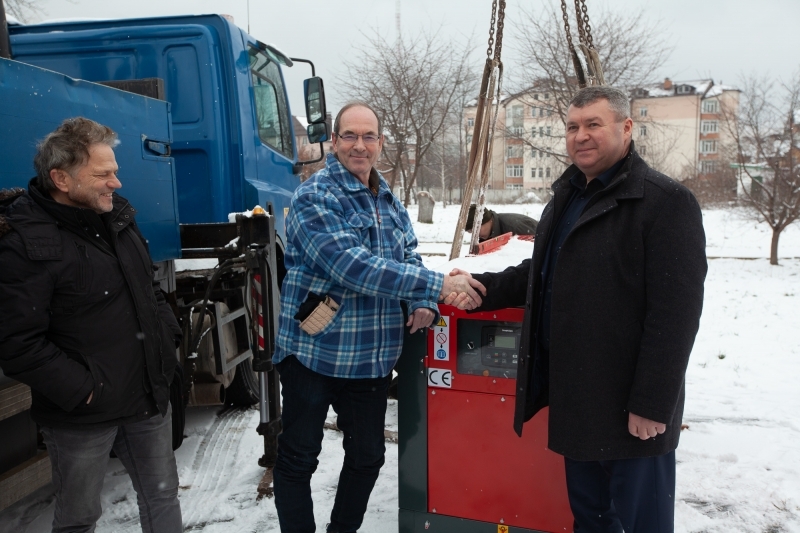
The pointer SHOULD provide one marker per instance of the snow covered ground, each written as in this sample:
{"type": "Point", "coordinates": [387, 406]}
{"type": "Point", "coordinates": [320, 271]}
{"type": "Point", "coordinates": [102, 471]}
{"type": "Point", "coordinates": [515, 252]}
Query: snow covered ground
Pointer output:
{"type": "Point", "coordinates": [739, 460]}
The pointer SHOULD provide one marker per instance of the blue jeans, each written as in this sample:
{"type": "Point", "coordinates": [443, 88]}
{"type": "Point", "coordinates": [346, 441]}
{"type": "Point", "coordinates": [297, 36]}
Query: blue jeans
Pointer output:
{"type": "Point", "coordinates": [79, 457]}
{"type": "Point", "coordinates": [631, 495]}
{"type": "Point", "coordinates": [361, 408]}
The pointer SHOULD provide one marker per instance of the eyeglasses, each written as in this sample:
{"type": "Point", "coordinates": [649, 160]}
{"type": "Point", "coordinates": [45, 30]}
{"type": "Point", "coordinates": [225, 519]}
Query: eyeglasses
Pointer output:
{"type": "Point", "coordinates": [350, 138]}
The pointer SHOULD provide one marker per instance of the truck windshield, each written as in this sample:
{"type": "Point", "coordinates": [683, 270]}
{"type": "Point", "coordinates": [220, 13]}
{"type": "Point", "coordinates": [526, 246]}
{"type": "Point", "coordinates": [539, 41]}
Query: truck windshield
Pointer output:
{"type": "Point", "coordinates": [270, 102]}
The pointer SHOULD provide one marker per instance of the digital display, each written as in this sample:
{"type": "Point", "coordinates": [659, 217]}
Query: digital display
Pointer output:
{"type": "Point", "coordinates": [505, 342]}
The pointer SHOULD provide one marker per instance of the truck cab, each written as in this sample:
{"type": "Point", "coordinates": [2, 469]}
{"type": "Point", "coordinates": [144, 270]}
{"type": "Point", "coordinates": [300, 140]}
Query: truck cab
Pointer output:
{"type": "Point", "coordinates": [232, 138]}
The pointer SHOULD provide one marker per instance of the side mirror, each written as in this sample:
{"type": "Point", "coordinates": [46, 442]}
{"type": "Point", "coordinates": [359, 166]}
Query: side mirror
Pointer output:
{"type": "Point", "coordinates": [315, 101]}
{"type": "Point", "coordinates": [317, 133]}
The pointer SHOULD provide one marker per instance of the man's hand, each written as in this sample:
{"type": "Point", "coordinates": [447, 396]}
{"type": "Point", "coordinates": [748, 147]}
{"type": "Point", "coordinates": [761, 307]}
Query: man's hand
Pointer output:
{"type": "Point", "coordinates": [463, 296]}
{"type": "Point", "coordinates": [420, 318]}
{"type": "Point", "coordinates": [644, 428]}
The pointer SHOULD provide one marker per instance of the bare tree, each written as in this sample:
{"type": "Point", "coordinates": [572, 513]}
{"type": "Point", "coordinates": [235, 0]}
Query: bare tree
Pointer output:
{"type": "Point", "coordinates": [766, 133]}
{"type": "Point", "coordinates": [630, 48]}
{"type": "Point", "coordinates": [23, 10]}
{"type": "Point", "coordinates": [415, 84]}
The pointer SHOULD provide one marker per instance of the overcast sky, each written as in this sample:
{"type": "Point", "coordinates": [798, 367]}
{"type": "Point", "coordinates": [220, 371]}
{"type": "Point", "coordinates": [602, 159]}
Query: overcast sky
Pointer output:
{"type": "Point", "coordinates": [719, 39]}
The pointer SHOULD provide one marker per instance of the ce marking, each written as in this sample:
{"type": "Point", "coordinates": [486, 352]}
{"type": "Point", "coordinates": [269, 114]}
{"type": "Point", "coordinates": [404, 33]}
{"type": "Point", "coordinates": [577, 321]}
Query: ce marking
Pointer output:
{"type": "Point", "coordinates": [439, 377]}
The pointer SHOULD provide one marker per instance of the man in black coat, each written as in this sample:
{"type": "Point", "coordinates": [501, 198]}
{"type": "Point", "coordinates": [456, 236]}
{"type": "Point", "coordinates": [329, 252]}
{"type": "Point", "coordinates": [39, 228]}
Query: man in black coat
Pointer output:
{"type": "Point", "coordinates": [496, 224]}
{"type": "Point", "coordinates": [83, 323]}
{"type": "Point", "coordinates": [614, 296]}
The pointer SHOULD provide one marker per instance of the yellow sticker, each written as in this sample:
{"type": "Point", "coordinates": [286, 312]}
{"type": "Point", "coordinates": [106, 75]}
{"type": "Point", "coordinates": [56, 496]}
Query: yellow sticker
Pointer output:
{"type": "Point", "coordinates": [502, 529]}
{"type": "Point", "coordinates": [441, 323]}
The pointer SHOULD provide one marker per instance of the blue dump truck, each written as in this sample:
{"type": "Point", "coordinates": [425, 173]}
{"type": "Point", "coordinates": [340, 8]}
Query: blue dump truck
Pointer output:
{"type": "Point", "coordinates": [205, 126]}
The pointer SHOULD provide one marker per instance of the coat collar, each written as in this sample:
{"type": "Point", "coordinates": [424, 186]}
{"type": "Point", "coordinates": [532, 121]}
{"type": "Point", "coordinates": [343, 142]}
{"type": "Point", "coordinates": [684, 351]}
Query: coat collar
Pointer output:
{"type": "Point", "coordinates": [628, 183]}
{"type": "Point", "coordinates": [38, 219]}
{"type": "Point", "coordinates": [348, 181]}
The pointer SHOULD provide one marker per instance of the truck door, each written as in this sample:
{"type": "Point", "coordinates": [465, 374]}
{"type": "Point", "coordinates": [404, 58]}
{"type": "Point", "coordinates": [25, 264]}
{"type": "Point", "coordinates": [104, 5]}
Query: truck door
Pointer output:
{"type": "Point", "coordinates": [275, 150]}
{"type": "Point", "coordinates": [34, 101]}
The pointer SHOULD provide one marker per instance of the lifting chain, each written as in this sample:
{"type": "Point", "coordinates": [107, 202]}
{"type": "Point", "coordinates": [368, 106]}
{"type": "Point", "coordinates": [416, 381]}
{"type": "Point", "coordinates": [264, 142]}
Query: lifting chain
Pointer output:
{"type": "Point", "coordinates": [579, 20]}
{"type": "Point", "coordinates": [491, 30]}
{"type": "Point", "coordinates": [500, 24]}
{"type": "Point", "coordinates": [587, 65]}
{"type": "Point", "coordinates": [587, 27]}
{"type": "Point", "coordinates": [566, 26]}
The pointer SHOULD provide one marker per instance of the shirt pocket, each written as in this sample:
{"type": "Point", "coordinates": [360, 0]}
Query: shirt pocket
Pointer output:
{"type": "Point", "coordinates": [361, 222]}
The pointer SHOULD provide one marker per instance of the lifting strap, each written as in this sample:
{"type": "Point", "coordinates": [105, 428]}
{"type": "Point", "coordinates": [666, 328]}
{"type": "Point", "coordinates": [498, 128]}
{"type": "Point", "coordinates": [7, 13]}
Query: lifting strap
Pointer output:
{"type": "Point", "coordinates": [587, 65]}
{"type": "Point", "coordinates": [480, 154]}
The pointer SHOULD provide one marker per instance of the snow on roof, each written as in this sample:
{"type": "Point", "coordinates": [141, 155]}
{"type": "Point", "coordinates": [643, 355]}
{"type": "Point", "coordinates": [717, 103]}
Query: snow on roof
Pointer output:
{"type": "Point", "coordinates": [302, 120]}
{"type": "Point", "coordinates": [657, 90]}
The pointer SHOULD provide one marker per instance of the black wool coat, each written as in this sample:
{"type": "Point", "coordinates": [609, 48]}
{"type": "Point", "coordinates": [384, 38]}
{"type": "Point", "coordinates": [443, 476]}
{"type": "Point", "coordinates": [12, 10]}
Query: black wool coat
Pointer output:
{"type": "Point", "coordinates": [81, 314]}
{"type": "Point", "coordinates": [626, 304]}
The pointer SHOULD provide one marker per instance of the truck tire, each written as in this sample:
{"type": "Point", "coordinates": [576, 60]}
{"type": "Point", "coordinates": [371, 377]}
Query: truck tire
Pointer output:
{"type": "Point", "coordinates": [243, 390]}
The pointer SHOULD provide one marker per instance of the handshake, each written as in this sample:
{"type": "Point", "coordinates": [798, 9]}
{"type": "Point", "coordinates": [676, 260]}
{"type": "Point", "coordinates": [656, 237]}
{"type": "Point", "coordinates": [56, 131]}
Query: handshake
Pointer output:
{"type": "Point", "coordinates": [461, 290]}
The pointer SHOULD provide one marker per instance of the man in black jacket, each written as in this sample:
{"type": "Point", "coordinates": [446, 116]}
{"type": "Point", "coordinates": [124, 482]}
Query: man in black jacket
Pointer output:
{"type": "Point", "coordinates": [496, 224]}
{"type": "Point", "coordinates": [614, 296]}
{"type": "Point", "coordinates": [84, 325]}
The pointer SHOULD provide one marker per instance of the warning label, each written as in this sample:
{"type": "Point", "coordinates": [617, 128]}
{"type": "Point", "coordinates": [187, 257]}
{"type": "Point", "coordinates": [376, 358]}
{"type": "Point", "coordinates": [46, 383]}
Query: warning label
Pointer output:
{"type": "Point", "coordinates": [502, 528]}
{"type": "Point", "coordinates": [441, 340]}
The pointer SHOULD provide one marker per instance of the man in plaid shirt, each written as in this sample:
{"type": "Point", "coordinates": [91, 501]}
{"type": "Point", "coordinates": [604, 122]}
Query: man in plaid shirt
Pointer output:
{"type": "Point", "coordinates": [351, 261]}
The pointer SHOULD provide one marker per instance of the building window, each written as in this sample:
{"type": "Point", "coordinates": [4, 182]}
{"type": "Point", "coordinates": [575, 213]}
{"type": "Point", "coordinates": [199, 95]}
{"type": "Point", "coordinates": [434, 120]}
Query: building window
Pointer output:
{"type": "Point", "coordinates": [514, 150]}
{"type": "Point", "coordinates": [533, 111]}
{"type": "Point", "coordinates": [533, 172]}
{"type": "Point", "coordinates": [541, 131]}
{"type": "Point", "coordinates": [513, 171]}
{"type": "Point", "coordinates": [513, 186]}
{"type": "Point", "coordinates": [546, 96]}
{"type": "Point", "coordinates": [642, 111]}
{"type": "Point", "coordinates": [541, 173]}
{"type": "Point", "coordinates": [541, 111]}
{"type": "Point", "coordinates": [708, 147]}
{"type": "Point", "coordinates": [549, 129]}
{"type": "Point", "coordinates": [710, 106]}
{"type": "Point", "coordinates": [643, 131]}
{"type": "Point", "coordinates": [535, 96]}
{"type": "Point", "coordinates": [533, 132]}
{"type": "Point", "coordinates": [709, 126]}
{"type": "Point", "coordinates": [708, 167]}
{"type": "Point", "coordinates": [547, 172]}
{"type": "Point", "coordinates": [549, 112]}
{"type": "Point", "coordinates": [470, 122]}
{"type": "Point", "coordinates": [685, 89]}
{"type": "Point", "coordinates": [642, 150]}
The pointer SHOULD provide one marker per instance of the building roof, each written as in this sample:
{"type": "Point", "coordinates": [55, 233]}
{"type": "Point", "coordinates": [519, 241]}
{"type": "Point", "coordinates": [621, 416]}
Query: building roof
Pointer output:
{"type": "Point", "coordinates": [704, 87]}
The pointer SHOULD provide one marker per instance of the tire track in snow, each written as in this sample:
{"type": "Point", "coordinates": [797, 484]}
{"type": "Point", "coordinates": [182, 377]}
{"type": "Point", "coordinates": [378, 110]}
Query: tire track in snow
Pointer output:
{"type": "Point", "coordinates": [215, 454]}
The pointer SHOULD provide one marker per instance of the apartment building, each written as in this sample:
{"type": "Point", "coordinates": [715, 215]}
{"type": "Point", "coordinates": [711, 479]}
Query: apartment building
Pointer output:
{"type": "Point", "coordinates": [681, 129]}
{"type": "Point", "coordinates": [528, 148]}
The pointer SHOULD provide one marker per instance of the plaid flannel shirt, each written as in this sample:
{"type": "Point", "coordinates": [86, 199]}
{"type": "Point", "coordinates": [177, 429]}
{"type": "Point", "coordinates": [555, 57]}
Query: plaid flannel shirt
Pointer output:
{"type": "Point", "coordinates": [359, 249]}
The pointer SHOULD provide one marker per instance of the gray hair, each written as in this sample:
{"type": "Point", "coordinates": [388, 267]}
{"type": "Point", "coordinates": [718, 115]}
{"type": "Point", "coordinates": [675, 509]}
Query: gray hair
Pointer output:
{"type": "Point", "coordinates": [617, 99]}
{"type": "Point", "coordinates": [356, 103]}
{"type": "Point", "coordinates": [67, 148]}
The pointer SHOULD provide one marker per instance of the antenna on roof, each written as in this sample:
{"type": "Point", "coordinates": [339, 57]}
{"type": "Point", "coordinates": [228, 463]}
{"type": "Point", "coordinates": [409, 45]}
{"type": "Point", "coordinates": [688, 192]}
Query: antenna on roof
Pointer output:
{"type": "Point", "coordinates": [397, 17]}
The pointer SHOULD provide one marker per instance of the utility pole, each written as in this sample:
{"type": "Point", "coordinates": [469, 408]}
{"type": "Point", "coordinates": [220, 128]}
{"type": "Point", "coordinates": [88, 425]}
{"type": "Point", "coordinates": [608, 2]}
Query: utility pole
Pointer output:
{"type": "Point", "coordinates": [397, 17]}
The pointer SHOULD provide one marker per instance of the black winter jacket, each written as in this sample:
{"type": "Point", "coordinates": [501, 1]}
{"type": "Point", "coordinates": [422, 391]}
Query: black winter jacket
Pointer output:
{"type": "Point", "coordinates": [80, 313]}
{"type": "Point", "coordinates": [515, 223]}
{"type": "Point", "coordinates": [626, 303]}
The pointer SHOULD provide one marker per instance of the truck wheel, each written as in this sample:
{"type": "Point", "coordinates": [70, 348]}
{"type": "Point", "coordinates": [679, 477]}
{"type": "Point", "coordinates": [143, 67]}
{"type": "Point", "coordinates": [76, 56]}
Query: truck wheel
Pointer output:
{"type": "Point", "coordinates": [243, 390]}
